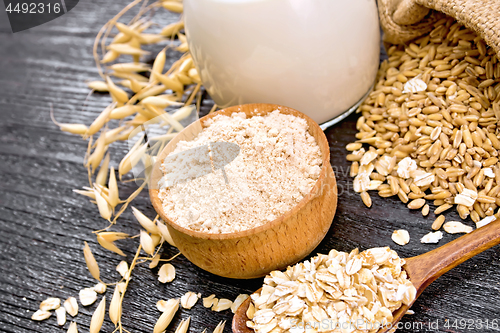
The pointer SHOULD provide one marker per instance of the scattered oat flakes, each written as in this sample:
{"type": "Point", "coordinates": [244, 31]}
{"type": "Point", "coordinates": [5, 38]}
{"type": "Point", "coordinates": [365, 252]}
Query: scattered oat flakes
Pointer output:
{"type": "Point", "coordinates": [147, 243]}
{"type": "Point", "coordinates": [368, 157]}
{"type": "Point", "coordinates": [162, 305]}
{"type": "Point", "coordinates": [414, 85]}
{"type": "Point", "coordinates": [455, 227]}
{"type": "Point", "coordinates": [432, 237]}
{"type": "Point", "coordinates": [423, 179]}
{"type": "Point", "coordinates": [71, 306]}
{"type": "Point", "coordinates": [51, 303]}
{"type": "Point", "coordinates": [189, 299]}
{"type": "Point", "coordinates": [237, 302]}
{"type": "Point", "coordinates": [222, 305]}
{"type": "Point", "coordinates": [41, 315]}
{"type": "Point", "coordinates": [209, 301]}
{"type": "Point", "coordinates": [485, 221]}
{"type": "Point", "coordinates": [61, 316]}
{"type": "Point", "coordinates": [401, 237]}
{"type": "Point", "coordinates": [99, 288]}
{"type": "Point", "coordinates": [405, 166]}
{"type": "Point", "coordinates": [250, 311]}
{"type": "Point", "coordinates": [166, 273]}
{"type": "Point", "coordinates": [466, 197]}
{"type": "Point", "coordinates": [87, 296]}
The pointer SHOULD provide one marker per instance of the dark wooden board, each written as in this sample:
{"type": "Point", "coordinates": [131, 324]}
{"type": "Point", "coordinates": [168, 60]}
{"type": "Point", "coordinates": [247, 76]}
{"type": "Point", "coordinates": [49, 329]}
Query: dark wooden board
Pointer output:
{"type": "Point", "coordinates": [43, 223]}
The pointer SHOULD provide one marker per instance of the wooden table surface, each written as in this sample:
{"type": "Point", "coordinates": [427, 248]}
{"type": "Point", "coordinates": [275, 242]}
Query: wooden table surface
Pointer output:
{"type": "Point", "coordinates": [43, 223]}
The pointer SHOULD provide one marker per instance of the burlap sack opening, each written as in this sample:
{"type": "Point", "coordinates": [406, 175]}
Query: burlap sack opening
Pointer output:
{"type": "Point", "coordinates": [404, 20]}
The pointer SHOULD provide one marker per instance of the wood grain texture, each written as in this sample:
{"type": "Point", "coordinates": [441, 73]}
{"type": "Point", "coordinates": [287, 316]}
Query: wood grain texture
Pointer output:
{"type": "Point", "coordinates": [274, 245]}
{"type": "Point", "coordinates": [43, 223]}
{"type": "Point", "coordinates": [426, 268]}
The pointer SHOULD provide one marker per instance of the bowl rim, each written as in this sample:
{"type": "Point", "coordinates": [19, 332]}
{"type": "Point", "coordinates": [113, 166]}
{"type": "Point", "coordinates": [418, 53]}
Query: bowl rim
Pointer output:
{"type": "Point", "coordinates": [322, 143]}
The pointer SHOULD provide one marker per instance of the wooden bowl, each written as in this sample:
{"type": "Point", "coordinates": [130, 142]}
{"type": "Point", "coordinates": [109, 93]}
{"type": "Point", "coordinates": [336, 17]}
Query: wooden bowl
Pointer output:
{"type": "Point", "coordinates": [273, 246]}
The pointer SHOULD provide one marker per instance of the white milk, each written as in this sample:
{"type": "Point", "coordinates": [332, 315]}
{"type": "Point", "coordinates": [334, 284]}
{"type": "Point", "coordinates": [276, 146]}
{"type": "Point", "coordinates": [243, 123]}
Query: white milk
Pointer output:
{"type": "Point", "coordinates": [317, 56]}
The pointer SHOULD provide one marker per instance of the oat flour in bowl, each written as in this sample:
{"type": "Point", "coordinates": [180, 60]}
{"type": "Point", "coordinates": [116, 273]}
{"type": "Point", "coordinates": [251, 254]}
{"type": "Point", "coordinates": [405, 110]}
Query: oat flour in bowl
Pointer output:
{"type": "Point", "coordinates": [278, 164]}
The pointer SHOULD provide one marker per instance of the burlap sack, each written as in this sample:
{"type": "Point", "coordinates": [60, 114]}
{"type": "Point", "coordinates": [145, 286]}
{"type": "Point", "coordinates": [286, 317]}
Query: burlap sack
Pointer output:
{"type": "Point", "coordinates": [404, 20]}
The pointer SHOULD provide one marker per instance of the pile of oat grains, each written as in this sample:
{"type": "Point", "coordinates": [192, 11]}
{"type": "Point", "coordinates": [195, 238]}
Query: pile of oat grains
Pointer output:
{"type": "Point", "coordinates": [428, 132]}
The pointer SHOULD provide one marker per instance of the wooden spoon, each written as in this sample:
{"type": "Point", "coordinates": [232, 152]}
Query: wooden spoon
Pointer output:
{"type": "Point", "coordinates": [422, 270]}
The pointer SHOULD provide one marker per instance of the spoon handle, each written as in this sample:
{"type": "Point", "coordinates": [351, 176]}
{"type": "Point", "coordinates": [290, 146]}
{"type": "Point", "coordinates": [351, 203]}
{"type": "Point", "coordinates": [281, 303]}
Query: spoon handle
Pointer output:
{"type": "Point", "coordinates": [427, 267]}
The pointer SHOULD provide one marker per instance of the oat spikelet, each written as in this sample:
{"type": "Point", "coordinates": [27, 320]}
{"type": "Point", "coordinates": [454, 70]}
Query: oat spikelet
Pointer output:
{"type": "Point", "coordinates": [159, 101]}
{"type": "Point", "coordinates": [145, 222]}
{"type": "Point", "coordinates": [165, 233]}
{"type": "Point", "coordinates": [183, 326]}
{"type": "Point", "coordinates": [124, 111]}
{"type": "Point", "coordinates": [169, 82]}
{"type": "Point", "coordinates": [166, 317]}
{"type": "Point", "coordinates": [72, 328]}
{"type": "Point", "coordinates": [109, 246]}
{"type": "Point", "coordinates": [80, 129]}
{"type": "Point", "coordinates": [116, 92]}
{"type": "Point", "coordinates": [113, 188]}
{"type": "Point", "coordinates": [99, 122]}
{"type": "Point", "coordinates": [172, 29]}
{"type": "Point", "coordinates": [112, 236]}
{"type": "Point", "coordinates": [115, 307]}
{"type": "Point", "coordinates": [173, 6]}
{"type": "Point", "coordinates": [103, 206]}
{"type": "Point", "coordinates": [110, 56]}
{"type": "Point", "coordinates": [88, 193]}
{"type": "Point", "coordinates": [220, 327]}
{"type": "Point", "coordinates": [98, 317]}
{"type": "Point", "coordinates": [102, 175]}
{"type": "Point", "coordinates": [125, 165]}
{"type": "Point", "coordinates": [130, 67]}
{"type": "Point", "coordinates": [98, 153]}
{"type": "Point", "coordinates": [158, 64]}
{"type": "Point", "coordinates": [126, 49]}
{"type": "Point", "coordinates": [122, 268]}
{"type": "Point", "coordinates": [91, 262]}
{"type": "Point", "coordinates": [147, 243]}
{"type": "Point", "coordinates": [98, 86]}
{"type": "Point", "coordinates": [155, 261]}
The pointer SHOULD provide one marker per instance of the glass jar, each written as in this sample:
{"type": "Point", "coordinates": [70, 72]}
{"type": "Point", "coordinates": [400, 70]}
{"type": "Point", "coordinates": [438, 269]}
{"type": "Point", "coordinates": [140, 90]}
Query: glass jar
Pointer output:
{"type": "Point", "coordinates": [319, 57]}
